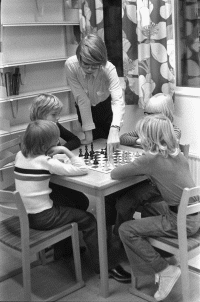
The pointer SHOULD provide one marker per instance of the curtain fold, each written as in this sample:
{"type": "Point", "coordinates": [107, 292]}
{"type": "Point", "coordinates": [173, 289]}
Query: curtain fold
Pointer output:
{"type": "Point", "coordinates": [91, 17]}
{"type": "Point", "coordinates": [189, 44]}
{"type": "Point", "coordinates": [148, 49]}
{"type": "Point", "coordinates": [147, 43]}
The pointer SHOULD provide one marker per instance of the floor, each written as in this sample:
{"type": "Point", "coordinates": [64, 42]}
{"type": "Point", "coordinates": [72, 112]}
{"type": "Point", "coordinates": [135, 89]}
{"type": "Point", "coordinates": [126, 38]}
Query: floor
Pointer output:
{"type": "Point", "coordinates": [50, 278]}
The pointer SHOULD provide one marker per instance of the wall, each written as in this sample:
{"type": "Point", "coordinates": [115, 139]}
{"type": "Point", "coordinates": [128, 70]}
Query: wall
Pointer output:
{"type": "Point", "coordinates": [187, 116]}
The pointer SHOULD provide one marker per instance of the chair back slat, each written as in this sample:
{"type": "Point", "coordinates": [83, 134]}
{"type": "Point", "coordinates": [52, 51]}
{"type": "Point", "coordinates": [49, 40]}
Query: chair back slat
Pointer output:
{"type": "Point", "coordinates": [7, 160]}
{"type": "Point", "coordinates": [10, 144]}
{"type": "Point", "coordinates": [185, 149]}
{"type": "Point", "coordinates": [11, 204]}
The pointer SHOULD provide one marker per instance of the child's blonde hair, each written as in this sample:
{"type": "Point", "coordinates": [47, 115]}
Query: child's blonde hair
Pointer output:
{"type": "Point", "coordinates": [161, 103]}
{"type": "Point", "coordinates": [43, 104]}
{"type": "Point", "coordinates": [92, 50]}
{"type": "Point", "coordinates": [39, 137]}
{"type": "Point", "coordinates": [157, 135]}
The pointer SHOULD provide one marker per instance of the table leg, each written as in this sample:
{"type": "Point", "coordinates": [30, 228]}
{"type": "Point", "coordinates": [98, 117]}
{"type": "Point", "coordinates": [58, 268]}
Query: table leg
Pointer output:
{"type": "Point", "coordinates": [102, 240]}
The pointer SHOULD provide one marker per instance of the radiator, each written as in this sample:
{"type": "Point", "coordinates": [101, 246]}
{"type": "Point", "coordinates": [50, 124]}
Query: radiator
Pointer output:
{"type": "Point", "coordinates": [194, 162]}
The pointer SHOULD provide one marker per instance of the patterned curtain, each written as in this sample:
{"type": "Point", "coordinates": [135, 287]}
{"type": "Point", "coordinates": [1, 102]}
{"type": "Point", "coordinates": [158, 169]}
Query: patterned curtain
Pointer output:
{"type": "Point", "coordinates": [148, 47]}
{"type": "Point", "coordinates": [188, 33]}
{"type": "Point", "coordinates": [91, 17]}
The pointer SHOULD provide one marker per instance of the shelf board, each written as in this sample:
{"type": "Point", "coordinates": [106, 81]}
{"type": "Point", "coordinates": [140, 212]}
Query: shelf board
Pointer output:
{"type": "Point", "coordinates": [34, 94]}
{"type": "Point", "coordinates": [20, 128]}
{"type": "Point", "coordinates": [41, 24]}
{"type": "Point", "coordinates": [32, 62]}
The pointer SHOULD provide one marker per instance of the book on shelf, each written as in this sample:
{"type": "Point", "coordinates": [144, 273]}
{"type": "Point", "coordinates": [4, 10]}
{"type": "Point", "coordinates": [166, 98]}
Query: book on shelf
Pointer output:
{"type": "Point", "coordinates": [8, 81]}
{"type": "Point", "coordinates": [12, 81]}
{"type": "Point", "coordinates": [16, 79]}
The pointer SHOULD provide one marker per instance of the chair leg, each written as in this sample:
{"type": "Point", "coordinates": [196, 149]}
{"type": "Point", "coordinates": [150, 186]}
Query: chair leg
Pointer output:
{"type": "Point", "coordinates": [185, 278]}
{"type": "Point", "coordinates": [42, 257]}
{"type": "Point", "coordinates": [26, 268]}
{"type": "Point", "coordinates": [76, 252]}
{"type": "Point", "coordinates": [134, 291]}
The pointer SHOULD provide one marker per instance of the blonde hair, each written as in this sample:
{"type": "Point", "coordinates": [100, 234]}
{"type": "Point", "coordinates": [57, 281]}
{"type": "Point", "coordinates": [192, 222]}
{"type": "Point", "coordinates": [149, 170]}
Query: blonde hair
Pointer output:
{"type": "Point", "coordinates": [157, 135]}
{"type": "Point", "coordinates": [92, 50]}
{"type": "Point", "coordinates": [39, 137]}
{"type": "Point", "coordinates": [161, 103]}
{"type": "Point", "coordinates": [43, 104]}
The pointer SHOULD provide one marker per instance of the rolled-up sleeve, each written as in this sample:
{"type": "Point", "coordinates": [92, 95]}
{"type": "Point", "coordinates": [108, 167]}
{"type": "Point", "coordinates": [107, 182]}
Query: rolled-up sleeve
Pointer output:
{"type": "Point", "coordinates": [118, 103]}
{"type": "Point", "coordinates": [80, 96]}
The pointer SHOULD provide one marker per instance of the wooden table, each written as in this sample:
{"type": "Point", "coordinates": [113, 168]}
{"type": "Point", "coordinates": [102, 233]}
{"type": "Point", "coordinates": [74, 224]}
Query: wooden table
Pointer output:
{"type": "Point", "coordinates": [98, 185]}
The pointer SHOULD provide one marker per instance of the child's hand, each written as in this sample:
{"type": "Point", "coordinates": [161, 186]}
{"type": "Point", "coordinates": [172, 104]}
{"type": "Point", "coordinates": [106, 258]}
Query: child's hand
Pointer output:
{"type": "Point", "coordinates": [138, 141]}
{"type": "Point", "coordinates": [60, 150]}
{"type": "Point", "coordinates": [56, 150]}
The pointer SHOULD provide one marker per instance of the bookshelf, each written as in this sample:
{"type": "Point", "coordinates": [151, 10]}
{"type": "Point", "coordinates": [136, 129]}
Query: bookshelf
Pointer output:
{"type": "Point", "coordinates": [36, 39]}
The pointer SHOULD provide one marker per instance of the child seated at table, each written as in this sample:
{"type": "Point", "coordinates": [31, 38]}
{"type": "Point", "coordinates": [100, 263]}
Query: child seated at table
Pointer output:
{"type": "Point", "coordinates": [48, 107]}
{"type": "Point", "coordinates": [142, 192]}
{"type": "Point", "coordinates": [34, 165]}
{"type": "Point", "coordinates": [168, 168]}
{"type": "Point", "coordinates": [159, 103]}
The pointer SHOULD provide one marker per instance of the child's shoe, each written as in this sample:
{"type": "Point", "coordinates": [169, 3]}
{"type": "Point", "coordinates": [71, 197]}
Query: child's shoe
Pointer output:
{"type": "Point", "coordinates": [166, 279]}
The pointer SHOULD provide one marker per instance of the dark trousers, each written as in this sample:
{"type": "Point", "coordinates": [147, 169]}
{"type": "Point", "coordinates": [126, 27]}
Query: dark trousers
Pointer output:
{"type": "Point", "coordinates": [102, 117]}
{"type": "Point", "coordinates": [132, 198]}
{"type": "Point", "coordinates": [70, 206]}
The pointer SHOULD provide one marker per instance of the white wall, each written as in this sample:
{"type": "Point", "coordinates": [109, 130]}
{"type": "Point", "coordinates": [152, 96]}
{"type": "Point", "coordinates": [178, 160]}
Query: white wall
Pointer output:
{"type": "Point", "coordinates": [187, 116]}
{"type": "Point", "coordinates": [132, 114]}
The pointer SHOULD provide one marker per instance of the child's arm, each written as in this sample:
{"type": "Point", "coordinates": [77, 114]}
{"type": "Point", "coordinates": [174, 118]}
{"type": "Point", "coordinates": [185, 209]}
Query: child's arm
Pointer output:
{"type": "Point", "coordinates": [75, 166]}
{"type": "Point", "coordinates": [72, 141]}
{"type": "Point", "coordinates": [130, 139]}
{"type": "Point", "coordinates": [60, 150]}
{"type": "Point", "coordinates": [139, 166]}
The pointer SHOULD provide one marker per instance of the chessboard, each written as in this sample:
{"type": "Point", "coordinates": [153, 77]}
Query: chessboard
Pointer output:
{"type": "Point", "coordinates": [97, 159]}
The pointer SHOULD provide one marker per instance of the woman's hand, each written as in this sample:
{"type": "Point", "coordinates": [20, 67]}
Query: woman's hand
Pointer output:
{"type": "Point", "coordinates": [88, 138]}
{"type": "Point", "coordinates": [112, 141]}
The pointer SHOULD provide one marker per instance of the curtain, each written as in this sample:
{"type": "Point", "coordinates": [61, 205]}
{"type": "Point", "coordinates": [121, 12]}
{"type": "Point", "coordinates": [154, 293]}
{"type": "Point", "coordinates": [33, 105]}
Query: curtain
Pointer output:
{"type": "Point", "coordinates": [148, 49]}
{"type": "Point", "coordinates": [91, 17]}
{"type": "Point", "coordinates": [147, 43]}
{"type": "Point", "coordinates": [189, 45]}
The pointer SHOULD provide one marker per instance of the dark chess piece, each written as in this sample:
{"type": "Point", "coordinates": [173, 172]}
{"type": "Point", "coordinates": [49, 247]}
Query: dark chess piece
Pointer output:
{"type": "Point", "coordinates": [86, 152]}
{"type": "Point", "coordinates": [80, 153]}
{"type": "Point", "coordinates": [102, 151]}
{"type": "Point", "coordinates": [105, 152]}
{"type": "Point", "coordinates": [92, 151]}
{"type": "Point", "coordinates": [86, 155]}
{"type": "Point", "coordinates": [95, 160]}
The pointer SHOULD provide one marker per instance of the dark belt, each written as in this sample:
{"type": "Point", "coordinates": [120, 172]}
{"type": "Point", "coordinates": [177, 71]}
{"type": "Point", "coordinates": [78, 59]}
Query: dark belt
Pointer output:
{"type": "Point", "coordinates": [175, 210]}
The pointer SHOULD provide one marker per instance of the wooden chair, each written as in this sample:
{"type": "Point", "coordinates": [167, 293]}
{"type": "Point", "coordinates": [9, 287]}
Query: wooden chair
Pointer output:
{"type": "Point", "coordinates": [18, 238]}
{"type": "Point", "coordinates": [185, 149]}
{"type": "Point", "coordinates": [184, 248]}
{"type": "Point", "coordinates": [8, 152]}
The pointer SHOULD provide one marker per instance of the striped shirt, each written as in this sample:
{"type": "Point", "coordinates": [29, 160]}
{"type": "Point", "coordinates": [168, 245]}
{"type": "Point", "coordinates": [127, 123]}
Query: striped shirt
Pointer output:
{"type": "Point", "coordinates": [32, 176]}
{"type": "Point", "coordinates": [129, 138]}
{"type": "Point", "coordinates": [89, 90]}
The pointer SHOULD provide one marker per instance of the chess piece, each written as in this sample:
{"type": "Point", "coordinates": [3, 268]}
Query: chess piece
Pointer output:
{"type": "Point", "coordinates": [86, 155]}
{"type": "Point", "coordinates": [95, 160]}
{"type": "Point", "coordinates": [80, 153]}
{"type": "Point", "coordinates": [91, 151]}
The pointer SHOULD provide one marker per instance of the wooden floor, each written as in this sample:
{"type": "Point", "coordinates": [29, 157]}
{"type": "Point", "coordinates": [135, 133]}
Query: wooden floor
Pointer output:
{"type": "Point", "coordinates": [51, 278]}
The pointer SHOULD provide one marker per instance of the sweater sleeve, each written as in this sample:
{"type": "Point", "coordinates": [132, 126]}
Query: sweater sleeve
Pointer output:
{"type": "Point", "coordinates": [72, 141]}
{"type": "Point", "coordinates": [140, 166]}
{"type": "Point", "coordinates": [74, 167]}
{"type": "Point", "coordinates": [117, 103]}
{"type": "Point", "coordinates": [129, 139]}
